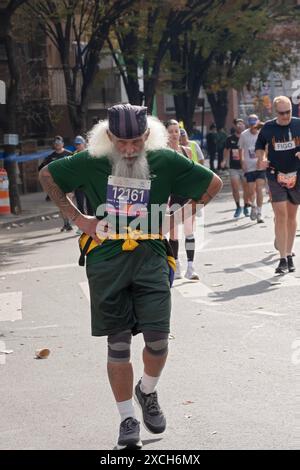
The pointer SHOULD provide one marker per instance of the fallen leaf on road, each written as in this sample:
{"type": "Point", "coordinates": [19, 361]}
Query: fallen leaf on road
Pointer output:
{"type": "Point", "coordinates": [188, 402]}
{"type": "Point", "coordinates": [42, 353]}
{"type": "Point", "coordinates": [217, 285]}
{"type": "Point", "coordinates": [215, 432]}
{"type": "Point", "coordinates": [187, 416]}
{"type": "Point", "coordinates": [6, 351]}
{"type": "Point", "coordinates": [208, 264]}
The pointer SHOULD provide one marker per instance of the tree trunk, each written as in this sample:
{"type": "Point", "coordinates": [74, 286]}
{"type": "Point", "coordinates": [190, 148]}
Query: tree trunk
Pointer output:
{"type": "Point", "coordinates": [10, 124]}
{"type": "Point", "coordinates": [135, 96]}
{"type": "Point", "coordinates": [149, 93]}
{"type": "Point", "coordinates": [219, 106]}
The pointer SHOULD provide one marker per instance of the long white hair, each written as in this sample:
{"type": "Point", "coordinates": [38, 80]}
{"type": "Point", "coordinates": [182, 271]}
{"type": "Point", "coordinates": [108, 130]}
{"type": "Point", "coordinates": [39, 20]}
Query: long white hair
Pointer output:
{"type": "Point", "coordinates": [99, 145]}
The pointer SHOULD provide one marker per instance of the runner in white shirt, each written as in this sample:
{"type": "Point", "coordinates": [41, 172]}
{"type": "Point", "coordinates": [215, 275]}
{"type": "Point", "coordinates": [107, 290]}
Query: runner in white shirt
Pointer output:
{"type": "Point", "coordinates": [255, 178]}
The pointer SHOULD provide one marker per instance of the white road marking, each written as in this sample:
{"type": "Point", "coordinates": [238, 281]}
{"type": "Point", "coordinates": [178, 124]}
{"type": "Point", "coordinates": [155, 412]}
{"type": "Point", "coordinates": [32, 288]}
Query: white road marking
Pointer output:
{"type": "Point", "coordinates": [193, 289]}
{"type": "Point", "coordinates": [85, 289]}
{"type": "Point", "coordinates": [269, 314]}
{"type": "Point", "coordinates": [40, 268]}
{"type": "Point", "coordinates": [11, 306]}
{"type": "Point", "coordinates": [240, 247]}
{"type": "Point", "coordinates": [198, 249]}
{"type": "Point", "coordinates": [36, 327]}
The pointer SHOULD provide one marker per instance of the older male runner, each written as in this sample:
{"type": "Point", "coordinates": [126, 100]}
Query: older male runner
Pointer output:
{"type": "Point", "coordinates": [128, 277]}
{"type": "Point", "coordinates": [280, 137]}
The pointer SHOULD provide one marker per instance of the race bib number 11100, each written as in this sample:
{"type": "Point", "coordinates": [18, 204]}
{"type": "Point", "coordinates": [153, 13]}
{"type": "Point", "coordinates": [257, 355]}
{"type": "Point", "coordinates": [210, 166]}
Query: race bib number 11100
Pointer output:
{"type": "Point", "coordinates": [127, 196]}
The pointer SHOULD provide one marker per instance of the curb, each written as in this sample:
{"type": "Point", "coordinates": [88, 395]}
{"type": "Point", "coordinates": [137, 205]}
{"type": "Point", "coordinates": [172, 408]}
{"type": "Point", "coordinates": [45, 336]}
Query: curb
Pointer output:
{"type": "Point", "coordinates": [29, 218]}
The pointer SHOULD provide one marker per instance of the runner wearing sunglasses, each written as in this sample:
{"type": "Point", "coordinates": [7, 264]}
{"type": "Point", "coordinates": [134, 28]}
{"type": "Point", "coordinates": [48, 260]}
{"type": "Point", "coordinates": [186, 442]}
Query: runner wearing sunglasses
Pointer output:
{"type": "Point", "coordinates": [281, 138]}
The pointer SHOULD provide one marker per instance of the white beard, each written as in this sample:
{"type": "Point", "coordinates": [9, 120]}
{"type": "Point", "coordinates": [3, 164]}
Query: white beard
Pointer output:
{"type": "Point", "coordinates": [139, 169]}
{"type": "Point", "coordinates": [99, 144]}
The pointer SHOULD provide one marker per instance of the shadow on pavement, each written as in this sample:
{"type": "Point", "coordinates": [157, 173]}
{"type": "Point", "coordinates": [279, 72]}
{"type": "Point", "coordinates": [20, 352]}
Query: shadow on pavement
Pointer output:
{"type": "Point", "coordinates": [248, 290]}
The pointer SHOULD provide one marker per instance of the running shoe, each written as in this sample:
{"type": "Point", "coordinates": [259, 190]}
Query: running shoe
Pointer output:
{"type": "Point", "coordinates": [290, 263]}
{"type": "Point", "coordinates": [237, 212]}
{"type": "Point", "coordinates": [253, 213]}
{"type": "Point", "coordinates": [129, 435]}
{"type": "Point", "coordinates": [282, 267]}
{"type": "Point", "coordinates": [191, 274]}
{"type": "Point", "coordinates": [177, 274]}
{"type": "Point", "coordinates": [246, 211]}
{"type": "Point", "coordinates": [260, 220]}
{"type": "Point", "coordinates": [153, 417]}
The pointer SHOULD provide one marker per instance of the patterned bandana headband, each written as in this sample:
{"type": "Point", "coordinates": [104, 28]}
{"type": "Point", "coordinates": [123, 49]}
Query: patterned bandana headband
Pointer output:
{"type": "Point", "coordinates": [127, 121]}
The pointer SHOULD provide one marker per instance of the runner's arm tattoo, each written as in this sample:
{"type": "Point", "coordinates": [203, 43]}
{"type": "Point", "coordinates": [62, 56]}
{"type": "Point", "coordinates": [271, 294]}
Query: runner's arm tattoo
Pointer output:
{"type": "Point", "coordinates": [57, 195]}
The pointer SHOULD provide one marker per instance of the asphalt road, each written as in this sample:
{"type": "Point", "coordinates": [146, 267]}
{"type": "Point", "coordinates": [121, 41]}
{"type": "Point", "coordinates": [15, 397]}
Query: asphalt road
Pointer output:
{"type": "Point", "coordinates": [230, 380]}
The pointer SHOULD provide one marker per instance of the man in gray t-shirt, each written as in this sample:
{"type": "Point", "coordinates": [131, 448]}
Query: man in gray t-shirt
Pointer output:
{"type": "Point", "coordinates": [255, 178]}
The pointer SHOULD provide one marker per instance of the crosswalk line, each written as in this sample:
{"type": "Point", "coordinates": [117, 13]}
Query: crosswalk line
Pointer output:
{"type": "Point", "coordinates": [11, 306]}
{"type": "Point", "coordinates": [267, 313]}
{"type": "Point", "coordinates": [192, 290]}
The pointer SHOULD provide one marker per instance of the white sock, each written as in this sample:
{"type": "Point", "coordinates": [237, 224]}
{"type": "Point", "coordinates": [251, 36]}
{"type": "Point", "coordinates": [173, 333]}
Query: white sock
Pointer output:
{"type": "Point", "coordinates": [126, 409]}
{"type": "Point", "coordinates": [190, 266]}
{"type": "Point", "coordinates": [148, 383]}
{"type": "Point", "coordinates": [259, 210]}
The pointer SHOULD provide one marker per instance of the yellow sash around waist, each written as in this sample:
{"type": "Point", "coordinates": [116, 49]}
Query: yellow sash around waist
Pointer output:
{"type": "Point", "coordinates": [130, 238]}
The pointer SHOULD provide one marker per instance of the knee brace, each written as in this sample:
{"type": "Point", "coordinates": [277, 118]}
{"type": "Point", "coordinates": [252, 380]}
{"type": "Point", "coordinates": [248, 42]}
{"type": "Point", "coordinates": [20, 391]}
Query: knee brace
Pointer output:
{"type": "Point", "coordinates": [119, 347]}
{"type": "Point", "coordinates": [156, 342]}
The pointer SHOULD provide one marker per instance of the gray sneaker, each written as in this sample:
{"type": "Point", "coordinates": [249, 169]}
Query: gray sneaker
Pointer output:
{"type": "Point", "coordinates": [129, 436]}
{"type": "Point", "coordinates": [260, 220]}
{"type": "Point", "coordinates": [153, 417]}
{"type": "Point", "coordinates": [253, 213]}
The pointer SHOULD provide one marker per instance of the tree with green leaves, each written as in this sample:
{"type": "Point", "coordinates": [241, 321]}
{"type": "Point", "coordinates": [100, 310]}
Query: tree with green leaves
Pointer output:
{"type": "Point", "coordinates": [141, 39]}
{"type": "Point", "coordinates": [225, 48]}
{"type": "Point", "coordinates": [85, 23]}
{"type": "Point", "coordinates": [246, 50]}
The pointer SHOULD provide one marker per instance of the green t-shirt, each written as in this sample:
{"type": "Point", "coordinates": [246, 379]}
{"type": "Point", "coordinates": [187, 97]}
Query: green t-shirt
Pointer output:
{"type": "Point", "coordinates": [170, 173]}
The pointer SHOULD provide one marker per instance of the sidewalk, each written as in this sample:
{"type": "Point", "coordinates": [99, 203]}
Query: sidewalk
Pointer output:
{"type": "Point", "coordinates": [33, 206]}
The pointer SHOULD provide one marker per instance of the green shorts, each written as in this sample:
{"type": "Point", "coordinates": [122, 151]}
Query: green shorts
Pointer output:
{"type": "Point", "coordinates": [130, 291]}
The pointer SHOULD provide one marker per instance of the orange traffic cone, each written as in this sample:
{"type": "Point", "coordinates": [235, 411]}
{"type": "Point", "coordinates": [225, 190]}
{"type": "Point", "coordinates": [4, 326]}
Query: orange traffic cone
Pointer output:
{"type": "Point", "coordinates": [4, 194]}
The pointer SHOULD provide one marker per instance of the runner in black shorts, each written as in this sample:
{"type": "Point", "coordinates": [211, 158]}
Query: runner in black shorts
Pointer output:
{"type": "Point", "coordinates": [237, 179]}
{"type": "Point", "coordinates": [176, 200]}
{"type": "Point", "coordinates": [281, 138]}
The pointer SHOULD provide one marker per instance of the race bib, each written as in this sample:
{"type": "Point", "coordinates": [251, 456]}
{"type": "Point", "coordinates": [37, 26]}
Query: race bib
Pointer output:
{"type": "Point", "coordinates": [127, 196]}
{"type": "Point", "coordinates": [235, 154]}
{"type": "Point", "coordinates": [251, 153]}
{"type": "Point", "coordinates": [281, 146]}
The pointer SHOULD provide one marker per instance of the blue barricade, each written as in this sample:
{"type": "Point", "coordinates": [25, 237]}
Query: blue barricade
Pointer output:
{"type": "Point", "coordinates": [27, 157]}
